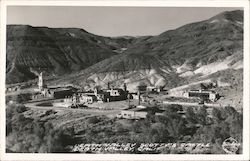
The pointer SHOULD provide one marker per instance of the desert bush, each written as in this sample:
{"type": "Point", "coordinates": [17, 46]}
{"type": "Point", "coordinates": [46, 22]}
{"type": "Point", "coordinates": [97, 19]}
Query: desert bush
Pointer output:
{"type": "Point", "coordinates": [49, 104]}
{"type": "Point", "coordinates": [32, 135]}
{"type": "Point", "coordinates": [190, 116]}
{"type": "Point", "coordinates": [173, 108]}
{"type": "Point", "coordinates": [227, 122]}
{"type": "Point", "coordinates": [93, 120]}
{"type": "Point", "coordinates": [201, 115]}
{"type": "Point", "coordinates": [13, 111]}
{"type": "Point", "coordinates": [21, 98]}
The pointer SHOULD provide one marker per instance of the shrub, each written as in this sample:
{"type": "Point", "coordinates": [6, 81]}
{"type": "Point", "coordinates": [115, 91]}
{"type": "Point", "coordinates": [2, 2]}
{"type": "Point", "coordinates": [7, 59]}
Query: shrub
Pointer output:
{"type": "Point", "coordinates": [31, 135]}
{"type": "Point", "coordinates": [93, 120]}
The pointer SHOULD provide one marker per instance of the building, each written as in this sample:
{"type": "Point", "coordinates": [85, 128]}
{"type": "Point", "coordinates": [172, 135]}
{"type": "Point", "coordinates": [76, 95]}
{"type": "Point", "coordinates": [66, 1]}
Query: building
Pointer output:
{"type": "Point", "coordinates": [43, 92]}
{"type": "Point", "coordinates": [135, 113]}
{"type": "Point", "coordinates": [102, 97]}
{"type": "Point", "coordinates": [90, 97]}
{"type": "Point", "coordinates": [114, 92]}
{"type": "Point", "coordinates": [207, 95]}
{"type": "Point", "coordinates": [154, 89]}
{"type": "Point", "coordinates": [81, 98]}
{"type": "Point", "coordinates": [140, 112]}
{"type": "Point", "coordinates": [39, 96]}
{"type": "Point", "coordinates": [47, 93]}
{"type": "Point", "coordinates": [62, 92]}
{"type": "Point", "coordinates": [68, 99]}
{"type": "Point", "coordinates": [87, 98]}
{"type": "Point", "coordinates": [110, 95]}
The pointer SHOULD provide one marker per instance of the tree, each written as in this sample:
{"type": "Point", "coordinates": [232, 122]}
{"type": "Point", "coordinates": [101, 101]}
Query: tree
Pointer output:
{"type": "Point", "coordinates": [191, 116]}
{"type": "Point", "coordinates": [21, 98]}
{"type": "Point", "coordinates": [217, 116]}
{"type": "Point", "coordinates": [174, 122]}
{"type": "Point", "coordinates": [119, 128]}
{"type": "Point", "coordinates": [227, 123]}
{"type": "Point", "coordinates": [229, 111]}
{"type": "Point", "coordinates": [174, 108]}
{"type": "Point", "coordinates": [93, 120]}
{"type": "Point", "coordinates": [202, 115]}
{"type": "Point", "coordinates": [158, 133]}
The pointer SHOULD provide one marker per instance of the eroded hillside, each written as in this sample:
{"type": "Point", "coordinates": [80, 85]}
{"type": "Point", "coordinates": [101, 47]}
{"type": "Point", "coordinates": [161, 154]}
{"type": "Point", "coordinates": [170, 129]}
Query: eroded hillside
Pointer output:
{"type": "Point", "coordinates": [193, 51]}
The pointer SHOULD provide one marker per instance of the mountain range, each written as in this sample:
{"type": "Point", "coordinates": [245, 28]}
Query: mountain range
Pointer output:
{"type": "Point", "coordinates": [199, 51]}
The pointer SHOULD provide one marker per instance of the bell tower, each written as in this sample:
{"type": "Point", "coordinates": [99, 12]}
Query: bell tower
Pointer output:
{"type": "Point", "coordinates": [40, 81]}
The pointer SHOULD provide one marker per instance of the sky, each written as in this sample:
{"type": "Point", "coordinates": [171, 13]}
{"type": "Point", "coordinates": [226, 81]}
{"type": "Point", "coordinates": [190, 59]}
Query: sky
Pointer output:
{"type": "Point", "coordinates": [111, 21]}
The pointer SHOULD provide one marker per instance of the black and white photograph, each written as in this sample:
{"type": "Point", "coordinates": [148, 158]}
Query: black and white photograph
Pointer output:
{"type": "Point", "coordinates": [124, 80]}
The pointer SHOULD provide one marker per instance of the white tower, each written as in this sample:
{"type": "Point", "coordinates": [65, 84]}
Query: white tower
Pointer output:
{"type": "Point", "coordinates": [95, 91]}
{"type": "Point", "coordinates": [40, 81]}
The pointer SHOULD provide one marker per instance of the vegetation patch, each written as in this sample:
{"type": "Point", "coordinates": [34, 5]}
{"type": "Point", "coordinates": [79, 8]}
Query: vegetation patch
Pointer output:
{"type": "Point", "coordinates": [32, 135]}
{"type": "Point", "coordinates": [196, 126]}
{"type": "Point", "coordinates": [46, 104]}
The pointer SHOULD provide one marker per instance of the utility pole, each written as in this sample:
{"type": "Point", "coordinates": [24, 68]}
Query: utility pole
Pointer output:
{"type": "Point", "coordinates": [128, 101]}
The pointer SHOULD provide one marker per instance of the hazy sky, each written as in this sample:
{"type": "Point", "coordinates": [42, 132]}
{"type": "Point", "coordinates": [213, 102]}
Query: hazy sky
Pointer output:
{"type": "Point", "coordinates": [111, 21]}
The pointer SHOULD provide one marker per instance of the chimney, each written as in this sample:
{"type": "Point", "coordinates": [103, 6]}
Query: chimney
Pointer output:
{"type": "Point", "coordinates": [139, 97]}
{"type": "Point", "coordinates": [125, 87]}
{"type": "Point", "coordinates": [108, 85]}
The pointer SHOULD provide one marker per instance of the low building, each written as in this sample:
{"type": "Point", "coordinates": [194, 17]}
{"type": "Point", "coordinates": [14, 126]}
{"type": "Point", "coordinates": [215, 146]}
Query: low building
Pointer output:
{"type": "Point", "coordinates": [135, 113]}
{"type": "Point", "coordinates": [56, 93]}
{"type": "Point", "coordinates": [81, 98]}
{"type": "Point", "coordinates": [116, 94]}
{"type": "Point", "coordinates": [68, 99]}
{"type": "Point", "coordinates": [102, 97]}
{"type": "Point", "coordinates": [110, 95]}
{"type": "Point", "coordinates": [39, 96]}
{"type": "Point", "coordinates": [204, 94]}
{"type": "Point", "coordinates": [62, 92]}
{"type": "Point", "coordinates": [139, 112]}
{"type": "Point", "coordinates": [143, 98]}
{"type": "Point", "coordinates": [47, 93]}
{"type": "Point", "coordinates": [154, 89]}
{"type": "Point", "coordinates": [89, 99]}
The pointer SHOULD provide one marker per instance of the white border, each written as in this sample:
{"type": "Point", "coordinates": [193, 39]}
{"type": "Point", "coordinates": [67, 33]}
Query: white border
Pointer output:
{"type": "Point", "coordinates": [148, 3]}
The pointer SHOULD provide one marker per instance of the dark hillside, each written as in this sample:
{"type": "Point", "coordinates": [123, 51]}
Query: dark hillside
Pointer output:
{"type": "Point", "coordinates": [55, 50]}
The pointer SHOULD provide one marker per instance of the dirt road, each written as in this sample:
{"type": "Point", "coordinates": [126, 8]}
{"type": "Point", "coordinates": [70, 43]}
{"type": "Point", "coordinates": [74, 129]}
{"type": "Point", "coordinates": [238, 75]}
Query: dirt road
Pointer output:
{"type": "Point", "coordinates": [193, 104]}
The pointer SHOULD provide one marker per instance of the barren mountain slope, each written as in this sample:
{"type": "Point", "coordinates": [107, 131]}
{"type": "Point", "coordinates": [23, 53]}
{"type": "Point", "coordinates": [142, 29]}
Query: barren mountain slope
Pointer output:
{"type": "Point", "coordinates": [193, 51]}
{"type": "Point", "coordinates": [55, 50]}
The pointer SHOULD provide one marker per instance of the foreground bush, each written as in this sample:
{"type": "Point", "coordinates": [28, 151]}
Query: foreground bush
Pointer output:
{"type": "Point", "coordinates": [31, 135]}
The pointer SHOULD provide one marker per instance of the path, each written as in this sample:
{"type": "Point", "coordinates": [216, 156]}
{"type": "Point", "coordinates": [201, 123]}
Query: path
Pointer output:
{"type": "Point", "coordinates": [192, 104]}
